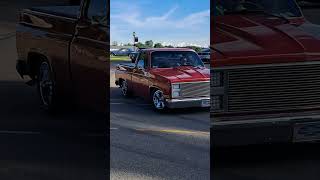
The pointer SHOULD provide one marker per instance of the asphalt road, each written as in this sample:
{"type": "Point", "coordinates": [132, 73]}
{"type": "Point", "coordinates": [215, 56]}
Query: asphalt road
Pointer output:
{"type": "Point", "coordinates": [150, 145]}
{"type": "Point", "coordinates": [269, 162]}
{"type": "Point", "coordinates": [36, 145]}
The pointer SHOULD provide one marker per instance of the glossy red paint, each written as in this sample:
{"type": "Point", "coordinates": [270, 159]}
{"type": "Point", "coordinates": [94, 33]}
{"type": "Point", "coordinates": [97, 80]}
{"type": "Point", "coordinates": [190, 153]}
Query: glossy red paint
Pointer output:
{"type": "Point", "coordinates": [76, 48]}
{"type": "Point", "coordinates": [258, 39]}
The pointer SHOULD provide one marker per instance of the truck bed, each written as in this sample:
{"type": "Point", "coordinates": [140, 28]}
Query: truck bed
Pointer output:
{"type": "Point", "coordinates": [65, 11]}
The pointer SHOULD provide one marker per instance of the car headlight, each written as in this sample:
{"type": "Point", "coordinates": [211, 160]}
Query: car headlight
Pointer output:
{"type": "Point", "coordinates": [175, 90]}
{"type": "Point", "coordinates": [217, 79]}
{"type": "Point", "coordinates": [176, 86]}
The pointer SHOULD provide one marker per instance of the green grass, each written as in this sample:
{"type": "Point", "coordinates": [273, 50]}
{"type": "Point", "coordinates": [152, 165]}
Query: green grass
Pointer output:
{"type": "Point", "coordinates": [119, 58]}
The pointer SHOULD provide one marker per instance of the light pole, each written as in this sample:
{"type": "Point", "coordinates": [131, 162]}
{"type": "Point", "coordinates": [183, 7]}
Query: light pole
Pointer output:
{"type": "Point", "coordinates": [135, 40]}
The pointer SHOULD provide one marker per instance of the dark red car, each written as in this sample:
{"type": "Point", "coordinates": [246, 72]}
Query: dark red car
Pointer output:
{"type": "Point", "coordinates": [170, 78]}
{"type": "Point", "coordinates": [265, 73]}
{"type": "Point", "coordinates": [63, 50]}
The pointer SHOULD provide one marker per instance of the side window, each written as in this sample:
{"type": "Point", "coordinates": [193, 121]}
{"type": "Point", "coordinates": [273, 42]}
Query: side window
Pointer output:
{"type": "Point", "coordinates": [142, 60]}
{"type": "Point", "coordinates": [97, 11]}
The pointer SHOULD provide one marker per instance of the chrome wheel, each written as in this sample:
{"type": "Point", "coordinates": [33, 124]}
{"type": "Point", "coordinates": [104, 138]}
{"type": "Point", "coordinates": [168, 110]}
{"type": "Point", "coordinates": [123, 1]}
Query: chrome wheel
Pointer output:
{"type": "Point", "coordinates": [124, 88]}
{"type": "Point", "coordinates": [158, 100]}
{"type": "Point", "coordinates": [45, 84]}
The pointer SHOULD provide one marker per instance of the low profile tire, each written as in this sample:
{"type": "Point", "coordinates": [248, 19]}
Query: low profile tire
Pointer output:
{"type": "Point", "coordinates": [125, 88]}
{"type": "Point", "coordinates": [158, 100]}
{"type": "Point", "coordinates": [46, 87]}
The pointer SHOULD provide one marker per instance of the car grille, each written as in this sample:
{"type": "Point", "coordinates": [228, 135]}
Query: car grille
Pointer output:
{"type": "Point", "coordinates": [195, 89]}
{"type": "Point", "coordinates": [274, 88]}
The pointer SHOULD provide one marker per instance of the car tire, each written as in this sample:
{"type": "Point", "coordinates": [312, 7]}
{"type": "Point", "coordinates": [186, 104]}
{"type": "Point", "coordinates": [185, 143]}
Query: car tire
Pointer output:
{"type": "Point", "coordinates": [158, 100]}
{"type": "Point", "coordinates": [125, 88]}
{"type": "Point", "coordinates": [46, 87]}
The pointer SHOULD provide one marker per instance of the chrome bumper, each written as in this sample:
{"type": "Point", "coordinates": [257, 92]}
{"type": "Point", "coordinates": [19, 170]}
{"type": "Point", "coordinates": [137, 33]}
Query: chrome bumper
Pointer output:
{"type": "Point", "coordinates": [289, 129]}
{"type": "Point", "coordinates": [186, 103]}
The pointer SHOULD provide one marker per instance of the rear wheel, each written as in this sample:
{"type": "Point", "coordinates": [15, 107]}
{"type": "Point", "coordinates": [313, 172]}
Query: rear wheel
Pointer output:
{"type": "Point", "coordinates": [158, 100]}
{"type": "Point", "coordinates": [46, 86]}
{"type": "Point", "coordinates": [124, 88]}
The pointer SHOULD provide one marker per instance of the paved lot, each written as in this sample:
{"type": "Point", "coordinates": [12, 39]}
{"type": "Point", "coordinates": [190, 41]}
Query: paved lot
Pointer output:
{"type": "Point", "coordinates": [150, 145]}
{"type": "Point", "coordinates": [35, 145]}
{"type": "Point", "coordinates": [269, 162]}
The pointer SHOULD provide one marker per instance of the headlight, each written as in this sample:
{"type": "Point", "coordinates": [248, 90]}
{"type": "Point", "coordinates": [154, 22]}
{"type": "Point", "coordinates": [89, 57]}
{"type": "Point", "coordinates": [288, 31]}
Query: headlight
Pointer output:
{"type": "Point", "coordinates": [217, 79]}
{"type": "Point", "coordinates": [216, 103]}
{"type": "Point", "coordinates": [175, 90]}
{"type": "Point", "coordinates": [176, 86]}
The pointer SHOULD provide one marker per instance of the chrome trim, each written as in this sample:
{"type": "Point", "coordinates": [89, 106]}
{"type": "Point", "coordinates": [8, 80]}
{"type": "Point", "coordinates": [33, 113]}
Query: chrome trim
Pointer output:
{"type": "Point", "coordinates": [265, 65]}
{"type": "Point", "coordinates": [185, 103]}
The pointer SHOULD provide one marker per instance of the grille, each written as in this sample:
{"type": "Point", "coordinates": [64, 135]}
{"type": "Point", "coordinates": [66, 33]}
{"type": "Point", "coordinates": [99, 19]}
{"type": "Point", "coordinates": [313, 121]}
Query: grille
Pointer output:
{"type": "Point", "coordinates": [193, 90]}
{"type": "Point", "coordinates": [274, 88]}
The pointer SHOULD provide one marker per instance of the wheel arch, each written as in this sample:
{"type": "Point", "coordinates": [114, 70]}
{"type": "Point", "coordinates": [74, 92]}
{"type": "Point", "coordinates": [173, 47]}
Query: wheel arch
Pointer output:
{"type": "Point", "coordinates": [34, 60]}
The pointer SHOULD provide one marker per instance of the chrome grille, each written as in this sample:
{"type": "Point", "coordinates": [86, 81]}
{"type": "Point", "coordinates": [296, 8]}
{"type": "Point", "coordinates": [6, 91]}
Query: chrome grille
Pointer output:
{"type": "Point", "coordinates": [274, 88]}
{"type": "Point", "coordinates": [195, 89]}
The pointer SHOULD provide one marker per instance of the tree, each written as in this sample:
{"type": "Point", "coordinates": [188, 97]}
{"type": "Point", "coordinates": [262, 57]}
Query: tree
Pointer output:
{"type": "Point", "coordinates": [140, 45]}
{"type": "Point", "coordinates": [149, 44]}
{"type": "Point", "coordinates": [169, 46]}
{"type": "Point", "coordinates": [195, 48]}
{"type": "Point", "coordinates": [158, 45]}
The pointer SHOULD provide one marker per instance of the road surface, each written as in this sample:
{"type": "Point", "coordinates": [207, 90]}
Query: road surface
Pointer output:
{"type": "Point", "coordinates": [150, 145]}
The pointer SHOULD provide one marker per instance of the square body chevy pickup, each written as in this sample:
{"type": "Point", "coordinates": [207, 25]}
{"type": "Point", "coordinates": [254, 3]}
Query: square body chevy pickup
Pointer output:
{"type": "Point", "coordinates": [169, 77]}
{"type": "Point", "coordinates": [63, 49]}
{"type": "Point", "coordinates": [265, 73]}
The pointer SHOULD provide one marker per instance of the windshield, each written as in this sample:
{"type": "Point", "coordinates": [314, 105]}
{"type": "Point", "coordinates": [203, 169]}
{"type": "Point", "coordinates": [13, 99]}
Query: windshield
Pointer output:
{"type": "Point", "coordinates": [286, 8]}
{"type": "Point", "coordinates": [171, 59]}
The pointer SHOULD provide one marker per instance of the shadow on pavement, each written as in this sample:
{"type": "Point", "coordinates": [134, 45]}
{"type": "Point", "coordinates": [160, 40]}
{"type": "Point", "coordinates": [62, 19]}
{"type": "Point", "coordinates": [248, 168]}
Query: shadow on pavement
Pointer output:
{"type": "Point", "coordinates": [35, 145]}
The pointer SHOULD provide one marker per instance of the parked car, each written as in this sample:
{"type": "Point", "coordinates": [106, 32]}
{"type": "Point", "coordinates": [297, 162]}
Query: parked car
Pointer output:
{"type": "Point", "coordinates": [205, 55]}
{"type": "Point", "coordinates": [265, 74]}
{"type": "Point", "coordinates": [170, 78]}
{"type": "Point", "coordinates": [121, 52]}
{"type": "Point", "coordinates": [133, 56]}
{"type": "Point", "coordinates": [63, 50]}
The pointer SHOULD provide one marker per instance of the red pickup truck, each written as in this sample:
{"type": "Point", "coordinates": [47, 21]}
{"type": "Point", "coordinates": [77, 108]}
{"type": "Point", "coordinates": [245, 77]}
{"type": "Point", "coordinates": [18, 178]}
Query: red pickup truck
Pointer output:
{"type": "Point", "coordinates": [64, 50]}
{"type": "Point", "coordinates": [265, 73]}
{"type": "Point", "coordinates": [170, 78]}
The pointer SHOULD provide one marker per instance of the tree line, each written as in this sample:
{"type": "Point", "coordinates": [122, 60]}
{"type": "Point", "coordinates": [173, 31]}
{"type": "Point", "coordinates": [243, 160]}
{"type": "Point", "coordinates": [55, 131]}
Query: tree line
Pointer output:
{"type": "Point", "coordinates": [151, 44]}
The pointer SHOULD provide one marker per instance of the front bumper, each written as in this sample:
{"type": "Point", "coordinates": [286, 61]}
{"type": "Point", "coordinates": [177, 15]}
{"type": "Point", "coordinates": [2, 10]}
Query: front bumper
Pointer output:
{"type": "Point", "coordinates": [265, 131]}
{"type": "Point", "coordinates": [187, 103]}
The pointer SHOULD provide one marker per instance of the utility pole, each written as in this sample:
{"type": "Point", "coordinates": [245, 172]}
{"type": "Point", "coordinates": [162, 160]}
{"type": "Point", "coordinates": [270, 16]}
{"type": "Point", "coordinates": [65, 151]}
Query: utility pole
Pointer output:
{"type": "Point", "coordinates": [135, 40]}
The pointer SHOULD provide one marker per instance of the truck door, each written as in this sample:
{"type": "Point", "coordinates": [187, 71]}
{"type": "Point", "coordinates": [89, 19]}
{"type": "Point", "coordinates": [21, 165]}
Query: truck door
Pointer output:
{"type": "Point", "coordinates": [89, 58]}
{"type": "Point", "coordinates": [139, 76]}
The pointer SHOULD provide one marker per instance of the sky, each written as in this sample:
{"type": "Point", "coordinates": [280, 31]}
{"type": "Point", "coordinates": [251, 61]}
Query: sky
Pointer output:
{"type": "Point", "coordinates": [170, 22]}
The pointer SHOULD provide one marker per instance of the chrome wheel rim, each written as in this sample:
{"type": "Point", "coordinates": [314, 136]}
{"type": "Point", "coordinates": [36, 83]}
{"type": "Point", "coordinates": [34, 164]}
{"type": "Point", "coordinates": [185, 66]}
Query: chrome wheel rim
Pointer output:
{"type": "Point", "coordinates": [45, 84]}
{"type": "Point", "coordinates": [158, 100]}
{"type": "Point", "coordinates": [124, 88]}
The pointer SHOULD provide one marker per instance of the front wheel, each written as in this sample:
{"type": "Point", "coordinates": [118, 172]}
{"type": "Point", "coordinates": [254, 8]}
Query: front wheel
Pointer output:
{"type": "Point", "coordinates": [158, 100]}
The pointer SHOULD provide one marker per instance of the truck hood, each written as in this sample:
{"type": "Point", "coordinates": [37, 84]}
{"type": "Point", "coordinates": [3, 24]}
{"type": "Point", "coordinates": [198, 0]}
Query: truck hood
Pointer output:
{"type": "Point", "coordinates": [248, 39]}
{"type": "Point", "coordinates": [182, 74]}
